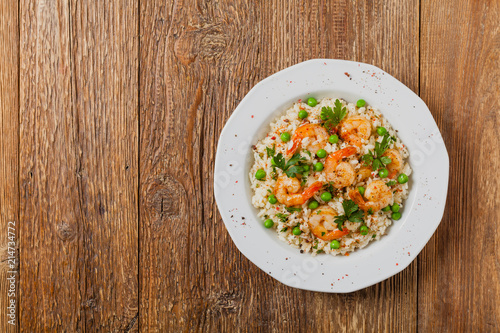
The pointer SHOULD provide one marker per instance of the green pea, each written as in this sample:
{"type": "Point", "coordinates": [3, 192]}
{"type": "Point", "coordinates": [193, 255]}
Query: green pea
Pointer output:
{"type": "Point", "coordinates": [326, 196]}
{"type": "Point", "coordinates": [396, 216]}
{"type": "Point", "coordinates": [383, 173]}
{"type": "Point", "coordinates": [361, 190]}
{"type": "Point", "coordinates": [386, 209]}
{"type": "Point", "coordinates": [395, 208]}
{"type": "Point", "coordinates": [318, 166]}
{"type": "Point", "coordinates": [311, 101]}
{"type": "Point", "coordinates": [306, 167]}
{"type": "Point", "coordinates": [272, 199]}
{"type": "Point", "coordinates": [334, 244]}
{"type": "Point", "coordinates": [363, 230]}
{"type": "Point", "coordinates": [268, 223]}
{"type": "Point", "coordinates": [296, 231]}
{"type": "Point", "coordinates": [381, 131]}
{"type": "Point", "coordinates": [285, 136]}
{"type": "Point", "coordinates": [313, 204]}
{"type": "Point", "coordinates": [321, 153]}
{"type": "Point", "coordinates": [333, 138]}
{"type": "Point", "coordinates": [360, 103]}
{"type": "Point", "coordinates": [260, 174]}
{"type": "Point", "coordinates": [402, 178]}
{"type": "Point", "coordinates": [303, 114]}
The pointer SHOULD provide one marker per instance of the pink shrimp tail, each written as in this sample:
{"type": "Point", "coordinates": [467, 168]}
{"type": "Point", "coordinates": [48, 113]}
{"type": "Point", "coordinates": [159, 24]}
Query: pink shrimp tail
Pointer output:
{"type": "Point", "coordinates": [309, 192]}
{"type": "Point", "coordinates": [340, 154]}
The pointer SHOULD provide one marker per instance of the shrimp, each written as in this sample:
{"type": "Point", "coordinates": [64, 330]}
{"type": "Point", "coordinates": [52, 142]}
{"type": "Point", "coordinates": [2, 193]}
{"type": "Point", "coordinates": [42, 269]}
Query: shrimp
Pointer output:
{"type": "Point", "coordinates": [342, 174]}
{"type": "Point", "coordinates": [365, 172]}
{"type": "Point", "coordinates": [396, 162]}
{"type": "Point", "coordinates": [355, 130]}
{"type": "Point", "coordinates": [287, 191]}
{"type": "Point", "coordinates": [322, 224]}
{"type": "Point", "coordinates": [317, 133]}
{"type": "Point", "coordinates": [377, 195]}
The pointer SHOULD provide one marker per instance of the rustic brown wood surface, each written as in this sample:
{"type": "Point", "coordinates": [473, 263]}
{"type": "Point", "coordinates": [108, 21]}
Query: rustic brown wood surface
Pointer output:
{"type": "Point", "coordinates": [110, 114]}
{"type": "Point", "coordinates": [9, 161]}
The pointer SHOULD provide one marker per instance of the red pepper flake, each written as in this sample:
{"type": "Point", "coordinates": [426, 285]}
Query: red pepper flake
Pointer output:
{"type": "Point", "coordinates": [236, 182]}
{"type": "Point", "coordinates": [347, 254]}
{"type": "Point", "coordinates": [290, 81]}
{"type": "Point", "coordinates": [300, 100]}
{"type": "Point", "coordinates": [342, 278]}
{"type": "Point", "coordinates": [397, 264]}
{"type": "Point", "coordinates": [252, 116]}
{"type": "Point", "coordinates": [273, 138]}
{"type": "Point", "coordinates": [324, 63]}
{"type": "Point", "coordinates": [347, 74]}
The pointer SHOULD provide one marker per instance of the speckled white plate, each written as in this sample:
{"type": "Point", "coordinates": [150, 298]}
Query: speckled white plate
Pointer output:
{"type": "Point", "coordinates": [428, 183]}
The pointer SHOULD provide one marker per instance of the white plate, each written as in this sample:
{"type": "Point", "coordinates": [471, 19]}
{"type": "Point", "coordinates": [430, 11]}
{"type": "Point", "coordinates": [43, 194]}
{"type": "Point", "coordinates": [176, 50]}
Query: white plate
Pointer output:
{"type": "Point", "coordinates": [428, 183]}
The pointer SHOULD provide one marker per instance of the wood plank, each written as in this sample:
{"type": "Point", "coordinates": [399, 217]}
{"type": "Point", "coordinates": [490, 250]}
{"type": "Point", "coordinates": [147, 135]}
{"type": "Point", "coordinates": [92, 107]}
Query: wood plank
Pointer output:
{"type": "Point", "coordinates": [9, 166]}
{"type": "Point", "coordinates": [459, 280]}
{"type": "Point", "coordinates": [79, 166]}
{"type": "Point", "coordinates": [197, 60]}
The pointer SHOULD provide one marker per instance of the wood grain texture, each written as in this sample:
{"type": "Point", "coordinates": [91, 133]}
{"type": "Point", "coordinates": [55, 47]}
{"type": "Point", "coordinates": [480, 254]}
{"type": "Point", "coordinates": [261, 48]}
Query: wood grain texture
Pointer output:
{"type": "Point", "coordinates": [459, 272]}
{"type": "Point", "coordinates": [110, 114]}
{"type": "Point", "coordinates": [197, 61]}
{"type": "Point", "coordinates": [79, 166]}
{"type": "Point", "coordinates": [9, 160]}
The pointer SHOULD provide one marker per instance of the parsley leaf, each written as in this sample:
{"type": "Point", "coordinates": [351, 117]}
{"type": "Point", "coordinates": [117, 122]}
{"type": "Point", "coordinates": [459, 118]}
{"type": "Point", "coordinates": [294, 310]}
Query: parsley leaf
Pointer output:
{"type": "Point", "coordinates": [375, 158]}
{"type": "Point", "coordinates": [279, 161]}
{"type": "Point", "coordinates": [294, 160]}
{"type": "Point", "coordinates": [352, 213]}
{"type": "Point", "coordinates": [381, 147]}
{"type": "Point", "coordinates": [333, 117]}
{"type": "Point", "coordinates": [349, 207]}
{"type": "Point", "coordinates": [271, 151]}
{"type": "Point", "coordinates": [292, 172]}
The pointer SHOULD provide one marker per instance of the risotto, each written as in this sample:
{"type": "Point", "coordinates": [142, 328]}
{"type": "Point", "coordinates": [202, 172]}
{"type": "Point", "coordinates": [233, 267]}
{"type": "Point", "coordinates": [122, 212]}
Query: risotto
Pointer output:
{"type": "Point", "coordinates": [330, 176]}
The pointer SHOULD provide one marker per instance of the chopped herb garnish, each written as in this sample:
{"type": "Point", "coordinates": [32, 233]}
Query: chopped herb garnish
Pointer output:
{"type": "Point", "coordinates": [284, 229]}
{"type": "Point", "coordinates": [293, 209]}
{"type": "Point", "coordinates": [352, 213]}
{"type": "Point", "coordinates": [282, 217]}
{"type": "Point", "coordinates": [333, 117]}
{"type": "Point", "coordinates": [373, 236]}
{"type": "Point", "coordinates": [305, 174]}
{"type": "Point", "coordinates": [391, 183]}
{"type": "Point", "coordinates": [323, 233]}
{"type": "Point", "coordinates": [328, 187]}
{"type": "Point", "coordinates": [319, 251]}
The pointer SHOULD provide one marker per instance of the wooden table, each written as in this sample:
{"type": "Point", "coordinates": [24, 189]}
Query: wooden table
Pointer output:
{"type": "Point", "coordinates": [110, 113]}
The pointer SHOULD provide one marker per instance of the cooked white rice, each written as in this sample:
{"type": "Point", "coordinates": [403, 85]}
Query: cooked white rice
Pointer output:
{"type": "Point", "coordinates": [307, 242]}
